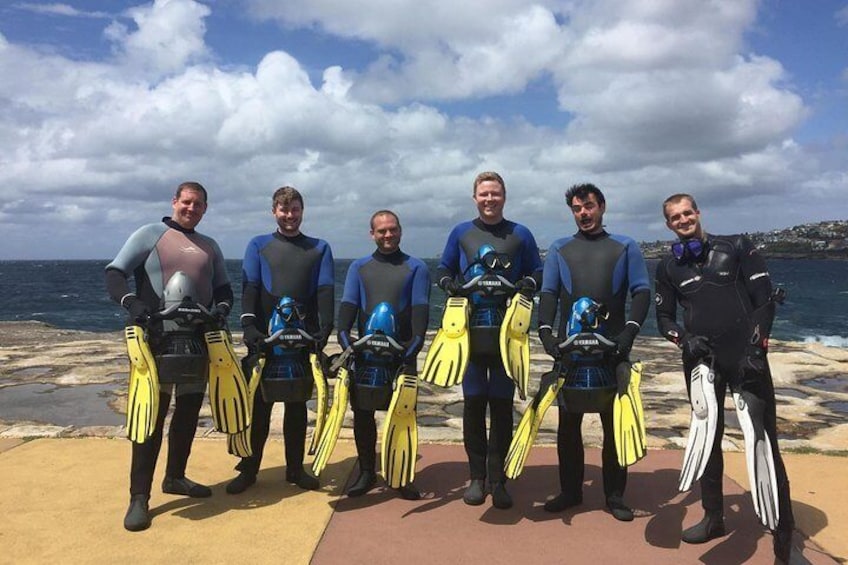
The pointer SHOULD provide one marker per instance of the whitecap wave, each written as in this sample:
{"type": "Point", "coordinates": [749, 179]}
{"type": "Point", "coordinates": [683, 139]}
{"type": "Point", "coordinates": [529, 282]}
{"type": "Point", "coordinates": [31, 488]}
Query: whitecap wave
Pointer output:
{"type": "Point", "coordinates": [828, 340]}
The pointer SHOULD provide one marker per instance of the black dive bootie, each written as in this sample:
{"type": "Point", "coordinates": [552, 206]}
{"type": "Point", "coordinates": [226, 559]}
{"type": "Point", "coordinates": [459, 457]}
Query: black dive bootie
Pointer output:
{"type": "Point", "coordinates": [364, 482]}
{"type": "Point", "coordinates": [710, 527]}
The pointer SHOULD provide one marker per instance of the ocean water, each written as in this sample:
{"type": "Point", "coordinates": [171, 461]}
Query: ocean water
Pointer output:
{"type": "Point", "coordinates": [72, 294]}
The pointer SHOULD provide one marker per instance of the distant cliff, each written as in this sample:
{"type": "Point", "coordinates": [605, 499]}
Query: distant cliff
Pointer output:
{"type": "Point", "coordinates": [822, 240]}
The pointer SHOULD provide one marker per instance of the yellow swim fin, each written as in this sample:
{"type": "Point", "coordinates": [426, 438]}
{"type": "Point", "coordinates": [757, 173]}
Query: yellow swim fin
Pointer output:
{"type": "Point", "coordinates": [515, 342]}
{"type": "Point", "coordinates": [238, 444]}
{"type": "Point", "coordinates": [322, 402]}
{"type": "Point", "coordinates": [629, 418]}
{"type": "Point", "coordinates": [335, 418]}
{"type": "Point", "coordinates": [399, 451]}
{"type": "Point", "coordinates": [143, 392]}
{"type": "Point", "coordinates": [228, 394]}
{"type": "Point", "coordinates": [531, 421]}
{"type": "Point", "coordinates": [447, 357]}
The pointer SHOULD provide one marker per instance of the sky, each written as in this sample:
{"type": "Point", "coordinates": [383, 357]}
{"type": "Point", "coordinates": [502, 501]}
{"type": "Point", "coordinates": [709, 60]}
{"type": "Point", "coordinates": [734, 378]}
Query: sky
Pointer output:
{"type": "Point", "coordinates": [107, 105]}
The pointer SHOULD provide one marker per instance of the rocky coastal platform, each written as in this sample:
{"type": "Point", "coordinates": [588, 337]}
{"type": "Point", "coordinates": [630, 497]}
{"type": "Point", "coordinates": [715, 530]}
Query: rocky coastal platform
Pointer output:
{"type": "Point", "coordinates": [66, 383]}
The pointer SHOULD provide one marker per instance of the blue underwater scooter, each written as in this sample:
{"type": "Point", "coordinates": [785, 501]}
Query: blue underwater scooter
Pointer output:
{"type": "Point", "coordinates": [589, 383]}
{"type": "Point", "coordinates": [377, 361]}
{"type": "Point", "coordinates": [286, 375]}
{"type": "Point", "coordinates": [488, 288]}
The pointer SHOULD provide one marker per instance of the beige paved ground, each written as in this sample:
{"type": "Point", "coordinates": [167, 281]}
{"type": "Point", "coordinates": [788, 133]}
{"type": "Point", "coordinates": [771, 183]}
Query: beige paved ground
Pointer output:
{"type": "Point", "coordinates": [63, 501]}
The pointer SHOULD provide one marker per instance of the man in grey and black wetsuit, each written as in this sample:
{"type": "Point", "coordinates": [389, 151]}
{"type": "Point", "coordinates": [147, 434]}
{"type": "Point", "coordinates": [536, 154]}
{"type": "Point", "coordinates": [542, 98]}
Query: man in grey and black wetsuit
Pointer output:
{"type": "Point", "coordinates": [152, 255]}
{"type": "Point", "coordinates": [606, 268]}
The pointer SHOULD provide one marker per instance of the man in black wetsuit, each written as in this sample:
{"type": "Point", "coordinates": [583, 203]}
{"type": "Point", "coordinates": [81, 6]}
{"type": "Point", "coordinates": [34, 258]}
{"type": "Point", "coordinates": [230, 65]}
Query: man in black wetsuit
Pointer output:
{"type": "Point", "coordinates": [726, 293]}
{"type": "Point", "coordinates": [387, 275]}
{"type": "Point", "coordinates": [284, 263]}
{"type": "Point", "coordinates": [152, 255]}
{"type": "Point", "coordinates": [485, 382]}
{"type": "Point", "coordinates": [606, 268]}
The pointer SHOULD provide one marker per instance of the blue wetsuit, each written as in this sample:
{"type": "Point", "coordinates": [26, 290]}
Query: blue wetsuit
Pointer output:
{"type": "Point", "coordinates": [300, 267]}
{"type": "Point", "coordinates": [485, 381]}
{"type": "Point", "coordinates": [725, 296]}
{"type": "Point", "coordinates": [605, 268]}
{"type": "Point", "coordinates": [152, 254]}
{"type": "Point", "coordinates": [403, 282]}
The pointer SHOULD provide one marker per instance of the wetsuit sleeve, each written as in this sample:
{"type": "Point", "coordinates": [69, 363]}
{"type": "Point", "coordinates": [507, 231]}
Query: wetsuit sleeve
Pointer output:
{"type": "Point", "coordinates": [219, 266]}
{"type": "Point", "coordinates": [137, 248]}
{"type": "Point", "coordinates": [352, 292]}
{"type": "Point", "coordinates": [532, 259]}
{"type": "Point", "coordinates": [639, 306]}
{"type": "Point", "coordinates": [326, 293]}
{"type": "Point", "coordinates": [637, 271]}
{"type": "Point", "coordinates": [547, 310]}
{"type": "Point", "coordinates": [347, 317]}
{"type": "Point", "coordinates": [222, 290]}
{"type": "Point", "coordinates": [223, 294]}
{"type": "Point", "coordinates": [640, 286]}
{"type": "Point", "coordinates": [666, 306]}
{"type": "Point", "coordinates": [251, 277]}
{"type": "Point", "coordinates": [449, 264]}
{"type": "Point", "coordinates": [421, 287]}
{"type": "Point", "coordinates": [132, 255]}
{"type": "Point", "coordinates": [757, 280]}
{"type": "Point", "coordinates": [420, 317]}
{"type": "Point", "coordinates": [349, 307]}
{"type": "Point", "coordinates": [549, 296]}
{"type": "Point", "coordinates": [759, 288]}
{"type": "Point", "coordinates": [117, 285]}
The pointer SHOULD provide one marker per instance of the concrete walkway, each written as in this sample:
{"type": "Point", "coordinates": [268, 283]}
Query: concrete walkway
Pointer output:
{"type": "Point", "coordinates": [64, 500]}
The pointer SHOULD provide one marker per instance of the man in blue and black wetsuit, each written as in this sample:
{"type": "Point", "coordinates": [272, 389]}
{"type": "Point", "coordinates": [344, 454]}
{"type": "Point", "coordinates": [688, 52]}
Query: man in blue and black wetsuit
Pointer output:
{"type": "Point", "coordinates": [284, 263]}
{"type": "Point", "coordinates": [606, 268]}
{"type": "Point", "coordinates": [485, 382]}
{"type": "Point", "coordinates": [723, 284]}
{"type": "Point", "coordinates": [386, 276]}
{"type": "Point", "coordinates": [152, 255]}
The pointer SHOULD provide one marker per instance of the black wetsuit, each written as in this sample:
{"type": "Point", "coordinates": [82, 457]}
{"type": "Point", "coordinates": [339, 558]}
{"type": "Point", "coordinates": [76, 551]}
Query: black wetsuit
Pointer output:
{"type": "Point", "coordinates": [301, 268]}
{"type": "Point", "coordinates": [485, 382]}
{"type": "Point", "coordinates": [152, 255]}
{"type": "Point", "coordinates": [605, 268]}
{"type": "Point", "coordinates": [403, 282]}
{"type": "Point", "coordinates": [725, 296]}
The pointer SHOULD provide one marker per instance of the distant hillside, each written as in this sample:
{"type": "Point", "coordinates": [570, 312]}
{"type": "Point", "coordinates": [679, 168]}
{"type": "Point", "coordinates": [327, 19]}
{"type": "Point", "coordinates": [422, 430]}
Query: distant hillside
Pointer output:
{"type": "Point", "coordinates": [822, 240]}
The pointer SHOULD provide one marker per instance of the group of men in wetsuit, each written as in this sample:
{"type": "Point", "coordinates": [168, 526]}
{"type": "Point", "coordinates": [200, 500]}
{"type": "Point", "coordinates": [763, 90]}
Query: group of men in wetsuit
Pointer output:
{"type": "Point", "coordinates": [721, 282]}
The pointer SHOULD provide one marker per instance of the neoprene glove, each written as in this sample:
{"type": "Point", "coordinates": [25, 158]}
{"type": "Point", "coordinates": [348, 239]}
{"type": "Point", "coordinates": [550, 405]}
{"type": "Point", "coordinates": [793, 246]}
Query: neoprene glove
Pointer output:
{"type": "Point", "coordinates": [526, 286]}
{"type": "Point", "coordinates": [412, 347]}
{"type": "Point", "coordinates": [344, 339]}
{"type": "Point", "coordinates": [139, 311]}
{"type": "Point", "coordinates": [625, 339]}
{"type": "Point", "coordinates": [549, 342]}
{"type": "Point", "coordinates": [754, 360]}
{"type": "Point", "coordinates": [220, 312]}
{"type": "Point", "coordinates": [449, 285]}
{"type": "Point", "coordinates": [253, 338]}
{"type": "Point", "coordinates": [695, 346]}
{"type": "Point", "coordinates": [321, 337]}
